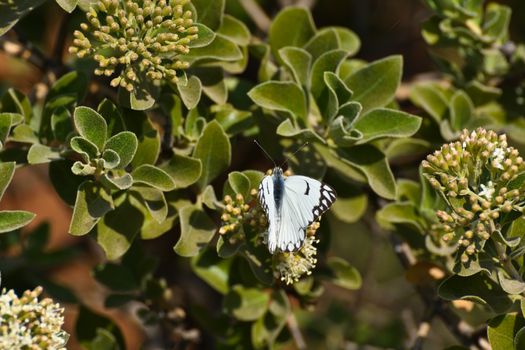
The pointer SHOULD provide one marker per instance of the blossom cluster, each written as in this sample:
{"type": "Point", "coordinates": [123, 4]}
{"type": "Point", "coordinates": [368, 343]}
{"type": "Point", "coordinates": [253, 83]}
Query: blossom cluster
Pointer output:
{"type": "Point", "coordinates": [138, 39]}
{"type": "Point", "coordinates": [294, 265]}
{"type": "Point", "coordinates": [478, 178]}
{"type": "Point", "coordinates": [27, 323]}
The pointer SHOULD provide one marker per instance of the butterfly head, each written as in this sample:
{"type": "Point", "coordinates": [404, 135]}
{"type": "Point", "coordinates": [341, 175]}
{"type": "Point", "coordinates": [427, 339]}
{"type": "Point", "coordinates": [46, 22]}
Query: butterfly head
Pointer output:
{"type": "Point", "coordinates": [277, 172]}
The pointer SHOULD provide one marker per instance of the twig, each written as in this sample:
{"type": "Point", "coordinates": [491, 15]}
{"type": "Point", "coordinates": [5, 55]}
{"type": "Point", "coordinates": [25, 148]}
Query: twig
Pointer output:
{"type": "Point", "coordinates": [293, 327]}
{"type": "Point", "coordinates": [257, 14]}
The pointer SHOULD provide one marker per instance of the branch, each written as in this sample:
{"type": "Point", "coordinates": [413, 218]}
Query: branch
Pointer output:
{"type": "Point", "coordinates": [257, 14]}
{"type": "Point", "coordinates": [293, 327]}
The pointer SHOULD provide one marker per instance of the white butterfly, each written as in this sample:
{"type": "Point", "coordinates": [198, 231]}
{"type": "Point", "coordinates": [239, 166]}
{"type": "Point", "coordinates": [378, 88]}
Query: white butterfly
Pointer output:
{"type": "Point", "coordinates": [291, 205]}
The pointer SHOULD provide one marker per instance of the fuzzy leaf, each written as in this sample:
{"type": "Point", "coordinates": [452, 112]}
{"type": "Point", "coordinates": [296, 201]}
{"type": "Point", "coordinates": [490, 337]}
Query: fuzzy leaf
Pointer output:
{"type": "Point", "coordinates": [430, 98]}
{"type": "Point", "coordinates": [92, 203]}
{"type": "Point", "coordinates": [344, 275]}
{"type": "Point", "coordinates": [382, 122]}
{"type": "Point", "coordinates": [374, 166]}
{"type": "Point", "coordinates": [155, 202]}
{"type": "Point", "coordinates": [502, 330]}
{"type": "Point", "coordinates": [280, 35]}
{"type": "Point", "coordinates": [246, 304]}
{"type": "Point", "coordinates": [197, 229]}
{"type": "Point", "coordinates": [125, 145]}
{"type": "Point", "coordinates": [12, 11]}
{"type": "Point", "coordinates": [11, 220]}
{"type": "Point", "coordinates": [148, 148]}
{"type": "Point", "coordinates": [67, 5]}
{"type": "Point", "coordinates": [190, 93]}
{"type": "Point", "coordinates": [298, 62]}
{"type": "Point", "coordinates": [209, 13]}
{"type": "Point", "coordinates": [235, 30]}
{"type": "Point", "coordinates": [183, 170]}
{"type": "Point", "coordinates": [327, 62]}
{"type": "Point", "coordinates": [214, 151]}
{"type": "Point", "coordinates": [7, 170]}
{"type": "Point", "coordinates": [478, 288]}
{"type": "Point", "coordinates": [154, 177]}
{"type": "Point", "coordinates": [375, 85]}
{"type": "Point", "coordinates": [212, 269]}
{"type": "Point", "coordinates": [461, 110]}
{"type": "Point", "coordinates": [84, 147]}
{"type": "Point", "coordinates": [280, 96]}
{"type": "Point", "coordinates": [39, 154]}
{"type": "Point", "coordinates": [91, 125]}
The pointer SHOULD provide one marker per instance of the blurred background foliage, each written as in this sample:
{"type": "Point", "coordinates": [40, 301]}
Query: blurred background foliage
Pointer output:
{"type": "Point", "coordinates": [181, 309]}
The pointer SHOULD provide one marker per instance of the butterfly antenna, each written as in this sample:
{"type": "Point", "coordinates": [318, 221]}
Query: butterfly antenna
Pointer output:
{"type": "Point", "coordinates": [265, 153]}
{"type": "Point", "coordinates": [293, 154]}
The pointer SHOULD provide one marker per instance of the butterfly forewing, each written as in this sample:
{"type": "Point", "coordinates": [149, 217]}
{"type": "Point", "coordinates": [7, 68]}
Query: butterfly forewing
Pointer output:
{"type": "Point", "coordinates": [304, 200]}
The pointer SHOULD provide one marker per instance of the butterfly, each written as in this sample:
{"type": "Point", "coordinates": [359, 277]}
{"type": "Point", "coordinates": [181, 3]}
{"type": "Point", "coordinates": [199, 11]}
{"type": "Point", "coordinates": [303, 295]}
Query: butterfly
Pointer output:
{"type": "Point", "coordinates": [291, 204]}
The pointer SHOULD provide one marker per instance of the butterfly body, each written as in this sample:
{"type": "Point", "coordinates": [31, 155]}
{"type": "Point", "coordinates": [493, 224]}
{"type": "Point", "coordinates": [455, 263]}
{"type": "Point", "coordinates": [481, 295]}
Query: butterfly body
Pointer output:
{"type": "Point", "coordinates": [291, 205]}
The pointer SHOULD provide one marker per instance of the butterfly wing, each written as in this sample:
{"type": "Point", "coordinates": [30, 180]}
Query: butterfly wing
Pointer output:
{"type": "Point", "coordinates": [304, 200]}
{"type": "Point", "coordinates": [267, 201]}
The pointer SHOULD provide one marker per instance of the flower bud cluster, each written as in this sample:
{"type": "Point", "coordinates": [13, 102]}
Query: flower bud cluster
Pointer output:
{"type": "Point", "coordinates": [137, 39]}
{"type": "Point", "coordinates": [241, 214]}
{"type": "Point", "coordinates": [292, 266]}
{"type": "Point", "coordinates": [475, 177]}
{"type": "Point", "coordinates": [27, 323]}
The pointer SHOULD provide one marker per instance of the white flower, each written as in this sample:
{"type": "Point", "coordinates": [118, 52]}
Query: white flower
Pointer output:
{"type": "Point", "coordinates": [498, 156]}
{"type": "Point", "coordinates": [487, 191]}
{"type": "Point", "coordinates": [27, 323]}
{"type": "Point", "coordinates": [294, 265]}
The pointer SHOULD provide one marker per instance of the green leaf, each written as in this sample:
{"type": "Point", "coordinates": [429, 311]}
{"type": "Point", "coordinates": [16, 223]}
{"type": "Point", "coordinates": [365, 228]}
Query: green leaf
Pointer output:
{"type": "Point", "coordinates": [118, 228]}
{"type": "Point", "coordinates": [155, 201]}
{"type": "Point", "coordinates": [239, 183]}
{"type": "Point", "coordinates": [112, 115]}
{"type": "Point", "coordinates": [375, 85]}
{"type": "Point", "coordinates": [91, 126]}
{"type": "Point", "coordinates": [280, 34]}
{"type": "Point", "coordinates": [209, 13]}
{"type": "Point", "coordinates": [111, 159]}
{"type": "Point", "coordinates": [212, 269]}
{"type": "Point", "coordinates": [461, 110]}
{"type": "Point", "coordinates": [280, 96]}
{"type": "Point", "coordinates": [298, 62]}
{"type": "Point", "coordinates": [220, 49]}
{"type": "Point", "coordinates": [502, 330]}
{"type": "Point", "coordinates": [96, 332]}
{"type": "Point", "coordinates": [196, 231]}
{"type": "Point", "coordinates": [350, 208]}
{"type": "Point", "coordinates": [235, 30]}
{"type": "Point", "coordinates": [64, 182]}
{"type": "Point", "coordinates": [117, 277]}
{"type": "Point", "coordinates": [39, 154]}
{"type": "Point", "coordinates": [7, 121]}
{"type": "Point", "coordinates": [344, 275]}
{"type": "Point", "coordinates": [154, 177]}
{"type": "Point", "coordinates": [61, 124]}
{"type": "Point", "coordinates": [14, 101]}
{"type": "Point", "coordinates": [171, 105]}
{"type": "Point", "coordinates": [429, 97]}
{"type": "Point", "coordinates": [183, 170]}
{"type": "Point", "coordinates": [67, 5]}
{"type": "Point", "coordinates": [287, 129]}
{"type": "Point", "coordinates": [327, 62]}
{"type": "Point", "coordinates": [204, 36]}
{"type": "Point", "coordinates": [213, 83]}
{"type": "Point", "coordinates": [141, 98]}
{"type": "Point", "coordinates": [478, 288]}
{"type": "Point", "coordinates": [122, 182]}
{"type": "Point", "coordinates": [12, 11]}
{"type": "Point", "coordinates": [214, 151]}
{"type": "Point", "coordinates": [24, 133]}
{"type": "Point", "coordinates": [190, 93]}
{"type": "Point", "coordinates": [323, 41]}
{"type": "Point", "coordinates": [92, 203]}
{"type": "Point", "coordinates": [496, 22]}
{"type": "Point", "coordinates": [11, 220]}
{"type": "Point", "coordinates": [125, 144]}
{"type": "Point", "coordinates": [246, 304]}
{"type": "Point", "coordinates": [266, 329]}
{"type": "Point", "coordinates": [382, 122]}
{"type": "Point", "coordinates": [510, 285]}
{"type": "Point", "coordinates": [82, 146]}
{"type": "Point", "coordinates": [400, 213]}
{"type": "Point", "coordinates": [374, 166]}
{"type": "Point", "coordinates": [348, 40]}
{"type": "Point", "coordinates": [148, 136]}
{"type": "Point", "coordinates": [7, 170]}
